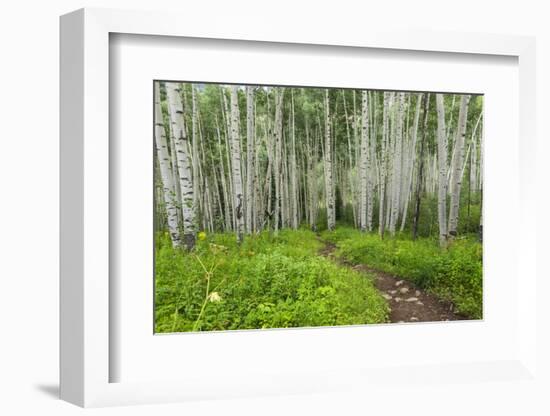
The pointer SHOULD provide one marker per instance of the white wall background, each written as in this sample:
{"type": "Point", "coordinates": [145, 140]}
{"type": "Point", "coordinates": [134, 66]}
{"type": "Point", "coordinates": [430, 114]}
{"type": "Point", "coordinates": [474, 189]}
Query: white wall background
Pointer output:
{"type": "Point", "coordinates": [29, 56]}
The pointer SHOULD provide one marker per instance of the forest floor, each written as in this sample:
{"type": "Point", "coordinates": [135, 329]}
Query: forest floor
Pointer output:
{"type": "Point", "coordinates": [407, 303]}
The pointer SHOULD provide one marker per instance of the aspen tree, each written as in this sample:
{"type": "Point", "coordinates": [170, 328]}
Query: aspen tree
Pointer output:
{"type": "Point", "coordinates": [364, 161]}
{"type": "Point", "coordinates": [258, 205]}
{"type": "Point", "coordinates": [357, 156]}
{"type": "Point", "coordinates": [285, 206]}
{"type": "Point", "coordinates": [442, 168]}
{"type": "Point", "coordinates": [195, 148]}
{"type": "Point", "coordinates": [474, 168]}
{"type": "Point", "coordinates": [168, 189]}
{"type": "Point", "coordinates": [227, 118]}
{"type": "Point", "coordinates": [456, 183]}
{"type": "Point", "coordinates": [250, 155]}
{"type": "Point", "coordinates": [236, 166]}
{"type": "Point", "coordinates": [175, 104]}
{"type": "Point", "coordinates": [227, 202]}
{"type": "Point", "coordinates": [372, 160]}
{"type": "Point", "coordinates": [293, 168]}
{"type": "Point", "coordinates": [397, 164]}
{"type": "Point", "coordinates": [329, 169]}
{"type": "Point", "coordinates": [312, 179]}
{"type": "Point", "coordinates": [383, 166]}
{"type": "Point", "coordinates": [279, 92]}
{"type": "Point", "coordinates": [175, 175]}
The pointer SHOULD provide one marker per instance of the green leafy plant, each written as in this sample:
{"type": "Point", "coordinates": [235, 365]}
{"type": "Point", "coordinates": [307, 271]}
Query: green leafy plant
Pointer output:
{"type": "Point", "coordinates": [454, 274]}
{"type": "Point", "coordinates": [270, 281]}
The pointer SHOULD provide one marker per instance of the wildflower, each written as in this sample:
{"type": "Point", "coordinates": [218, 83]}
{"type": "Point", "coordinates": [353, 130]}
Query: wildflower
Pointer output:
{"type": "Point", "coordinates": [217, 248]}
{"type": "Point", "coordinates": [214, 297]}
{"type": "Point", "coordinates": [202, 236]}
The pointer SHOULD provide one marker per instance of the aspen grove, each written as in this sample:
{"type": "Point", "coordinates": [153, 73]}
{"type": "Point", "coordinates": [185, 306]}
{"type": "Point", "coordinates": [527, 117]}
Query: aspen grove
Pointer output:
{"type": "Point", "coordinates": [245, 172]}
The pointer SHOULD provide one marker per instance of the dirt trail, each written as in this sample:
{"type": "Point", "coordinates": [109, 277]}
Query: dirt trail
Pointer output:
{"type": "Point", "coordinates": [407, 302]}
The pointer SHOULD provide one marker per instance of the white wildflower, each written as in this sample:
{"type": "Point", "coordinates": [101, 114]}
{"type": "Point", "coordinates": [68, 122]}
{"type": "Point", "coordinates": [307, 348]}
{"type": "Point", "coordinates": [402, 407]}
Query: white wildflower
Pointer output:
{"type": "Point", "coordinates": [214, 297]}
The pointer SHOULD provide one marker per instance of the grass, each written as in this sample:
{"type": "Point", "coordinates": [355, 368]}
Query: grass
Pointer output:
{"type": "Point", "coordinates": [268, 282]}
{"type": "Point", "coordinates": [454, 274]}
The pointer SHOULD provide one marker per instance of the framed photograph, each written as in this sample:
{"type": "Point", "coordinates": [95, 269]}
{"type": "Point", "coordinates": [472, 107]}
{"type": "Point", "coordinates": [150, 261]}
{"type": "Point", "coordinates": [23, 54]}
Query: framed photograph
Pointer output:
{"type": "Point", "coordinates": [281, 231]}
{"type": "Point", "coordinates": [280, 213]}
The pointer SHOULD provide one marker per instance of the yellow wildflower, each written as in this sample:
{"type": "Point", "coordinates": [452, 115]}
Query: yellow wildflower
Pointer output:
{"type": "Point", "coordinates": [202, 236]}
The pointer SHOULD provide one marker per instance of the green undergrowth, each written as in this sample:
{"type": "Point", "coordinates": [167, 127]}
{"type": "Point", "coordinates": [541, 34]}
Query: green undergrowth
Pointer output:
{"type": "Point", "coordinates": [454, 274]}
{"type": "Point", "coordinates": [268, 282]}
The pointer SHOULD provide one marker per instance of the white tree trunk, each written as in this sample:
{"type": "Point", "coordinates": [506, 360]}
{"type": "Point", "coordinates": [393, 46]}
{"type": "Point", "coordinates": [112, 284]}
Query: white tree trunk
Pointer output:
{"type": "Point", "coordinates": [397, 163]}
{"type": "Point", "coordinates": [227, 204]}
{"type": "Point", "coordinates": [293, 171]}
{"type": "Point", "coordinates": [383, 166]}
{"type": "Point", "coordinates": [175, 174]}
{"type": "Point", "coordinates": [279, 93]}
{"type": "Point", "coordinates": [371, 160]}
{"type": "Point", "coordinates": [250, 156]}
{"type": "Point", "coordinates": [195, 154]}
{"type": "Point", "coordinates": [173, 91]}
{"type": "Point", "coordinates": [236, 165]}
{"type": "Point", "coordinates": [442, 167]}
{"type": "Point", "coordinates": [168, 189]}
{"type": "Point", "coordinates": [227, 118]}
{"type": "Point", "coordinates": [473, 157]}
{"type": "Point", "coordinates": [311, 177]}
{"type": "Point", "coordinates": [329, 185]}
{"type": "Point", "coordinates": [364, 163]}
{"type": "Point", "coordinates": [456, 183]}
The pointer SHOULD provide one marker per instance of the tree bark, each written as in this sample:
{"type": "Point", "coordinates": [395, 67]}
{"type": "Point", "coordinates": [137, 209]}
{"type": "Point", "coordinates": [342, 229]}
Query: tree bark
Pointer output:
{"type": "Point", "coordinates": [195, 138]}
{"type": "Point", "coordinates": [456, 183]}
{"type": "Point", "coordinates": [329, 185]}
{"type": "Point", "coordinates": [279, 93]}
{"type": "Point", "coordinates": [236, 166]}
{"type": "Point", "coordinates": [364, 161]}
{"type": "Point", "coordinates": [371, 160]}
{"type": "Point", "coordinates": [442, 167]}
{"type": "Point", "coordinates": [383, 167]}
{"type": "Point", "coordinates": [168, 189]}
{"type": "Point", "coordinates": [293, 170]}
{"type": "Point", "coordinates": [173, 91]}
{"type": "Point", "coordinates": [397, 164]}
{"type": "Point", "coordinates": [227, 118]}
{"type": "Point", "coordinates": [250, 156]}
{"type": "Point", "coordinates": [227, 203]}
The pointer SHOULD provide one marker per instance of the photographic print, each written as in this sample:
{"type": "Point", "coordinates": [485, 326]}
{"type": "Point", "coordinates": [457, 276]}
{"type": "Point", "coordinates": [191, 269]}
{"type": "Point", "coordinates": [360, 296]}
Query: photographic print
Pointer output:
{"type": "Point", "coordinates": [288, 207]}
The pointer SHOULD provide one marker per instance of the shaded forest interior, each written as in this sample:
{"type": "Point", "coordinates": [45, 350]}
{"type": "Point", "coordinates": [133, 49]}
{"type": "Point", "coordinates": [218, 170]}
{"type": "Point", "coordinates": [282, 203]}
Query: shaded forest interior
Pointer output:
{"type": "Point", "coordinates": [273, 157]}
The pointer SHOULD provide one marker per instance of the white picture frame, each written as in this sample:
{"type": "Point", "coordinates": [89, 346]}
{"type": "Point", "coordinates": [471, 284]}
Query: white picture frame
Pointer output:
{"type": "Point", "coordinates": [86, 356]}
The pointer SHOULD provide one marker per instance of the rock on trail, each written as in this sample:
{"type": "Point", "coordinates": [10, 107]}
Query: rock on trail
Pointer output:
{"type": "Point", "coordinates": [422, 307]}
